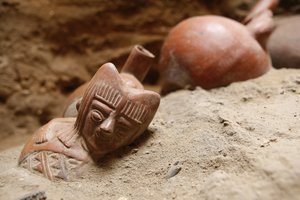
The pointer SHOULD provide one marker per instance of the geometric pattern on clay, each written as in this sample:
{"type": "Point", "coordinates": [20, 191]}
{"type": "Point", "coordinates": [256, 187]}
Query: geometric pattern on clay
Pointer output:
{"type": "Point", "coordinates": [109, 95]}
{"type": "Point", "coordinates": [135, 111]}
{"type": "Point", "coordinates": [52, 165]}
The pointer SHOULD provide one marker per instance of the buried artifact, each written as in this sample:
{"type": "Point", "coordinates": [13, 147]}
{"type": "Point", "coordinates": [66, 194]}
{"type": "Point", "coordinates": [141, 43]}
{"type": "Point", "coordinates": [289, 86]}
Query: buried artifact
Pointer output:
{"type": "Point", "coordinates": [113, 110]}
{"type": "Point", "coordinates": [284, 43]}
{"type": "Point", "coordinates": [214, 51]}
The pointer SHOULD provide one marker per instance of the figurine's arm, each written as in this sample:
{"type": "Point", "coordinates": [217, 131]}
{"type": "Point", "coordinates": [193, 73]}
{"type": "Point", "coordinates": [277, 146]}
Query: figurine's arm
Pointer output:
{"type": "Point", "coordinates": [67, 137]}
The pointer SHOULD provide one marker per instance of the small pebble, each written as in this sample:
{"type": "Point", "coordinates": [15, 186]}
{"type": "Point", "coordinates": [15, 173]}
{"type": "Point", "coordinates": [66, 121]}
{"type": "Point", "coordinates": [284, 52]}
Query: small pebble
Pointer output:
{"type": "Point", "coordinates": [40, 195]}
{"type": "Point", "coordinates": [133, 151]}
{"type": "Point", "coordinates": [174, 170]}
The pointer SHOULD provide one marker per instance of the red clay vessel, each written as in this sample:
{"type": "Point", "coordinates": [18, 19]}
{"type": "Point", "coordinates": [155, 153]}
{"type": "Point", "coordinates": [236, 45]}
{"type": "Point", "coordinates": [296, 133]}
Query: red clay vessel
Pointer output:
{"type": "Point", "coordinates": [214, 51]}
{"type": "Point", "coordinates": [112, 110]}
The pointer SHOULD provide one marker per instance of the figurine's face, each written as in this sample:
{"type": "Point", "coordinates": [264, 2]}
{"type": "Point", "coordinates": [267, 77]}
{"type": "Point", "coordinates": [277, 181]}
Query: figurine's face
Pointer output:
{"type": "Point", "coordinates": [109, 123]}
{"type": "Point", "coordinates": [112, 119]}
{"type": "Point", "coordinates": [113, 114]}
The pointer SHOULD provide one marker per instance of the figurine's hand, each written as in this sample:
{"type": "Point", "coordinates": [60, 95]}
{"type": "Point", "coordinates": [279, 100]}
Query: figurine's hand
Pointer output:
{"type": "Point", "coordinates": [41, 138]}
{"type": "Point", "coordinates": [67, 137]}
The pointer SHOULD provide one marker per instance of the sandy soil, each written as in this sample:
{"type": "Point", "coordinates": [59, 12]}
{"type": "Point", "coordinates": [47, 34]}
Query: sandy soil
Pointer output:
{"type": "Point", "coordinates": [50, 47]}
{"type": "Point", "coordinates": [236, 142]}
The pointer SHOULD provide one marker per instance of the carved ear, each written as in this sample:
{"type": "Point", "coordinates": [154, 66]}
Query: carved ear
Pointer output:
{"type": "Point", "coordinates": [143, 109]}
{"type": "Point", "coordinates": [151, 99]}
{"type": "Point", "coordinates": [108, 74]}
{"type": "Point", "coordinates": [146, 101]}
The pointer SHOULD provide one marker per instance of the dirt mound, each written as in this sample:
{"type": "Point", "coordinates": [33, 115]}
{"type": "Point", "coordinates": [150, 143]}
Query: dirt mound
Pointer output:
{"type": "Point", "coordinates": [236, 142]}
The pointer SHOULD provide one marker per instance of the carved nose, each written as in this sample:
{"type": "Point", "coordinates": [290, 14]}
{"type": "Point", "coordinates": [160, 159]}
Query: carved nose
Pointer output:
{"type": "Point", "coordinates": [108, 125]}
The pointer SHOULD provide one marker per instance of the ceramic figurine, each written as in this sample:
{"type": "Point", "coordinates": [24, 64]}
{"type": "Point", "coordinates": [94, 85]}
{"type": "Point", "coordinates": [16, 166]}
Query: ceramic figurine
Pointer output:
{"type": "Point", "coordinates": [114, 110]}
{"type": "Point", "coordinates": [133, 72]}
{"type": "Point", "coordinates": [214, 51]}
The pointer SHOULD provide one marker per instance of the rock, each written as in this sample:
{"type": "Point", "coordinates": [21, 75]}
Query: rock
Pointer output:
{"type": "Point", "coordinates": [174, 170]}
{"type": "Point", "coordinates": [41, 195]}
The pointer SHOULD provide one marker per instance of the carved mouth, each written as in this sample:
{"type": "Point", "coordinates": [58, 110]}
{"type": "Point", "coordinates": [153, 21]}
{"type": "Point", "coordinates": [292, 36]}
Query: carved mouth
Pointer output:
{"type": "Point", "coordinates": [101, 141]}
{"type": "Point", "coordinates": [103, 135]}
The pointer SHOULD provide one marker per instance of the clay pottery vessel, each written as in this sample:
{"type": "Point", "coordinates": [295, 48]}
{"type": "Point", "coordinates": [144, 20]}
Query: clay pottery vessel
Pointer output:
{"type": "Point", "coordinates": [214, 51]}
{"type": "Point", "coordinates": [112, 111]}
{"type": "Point", "coordinates": [132, 73]}
{"type": "Point", "coordinates": [284, 43]}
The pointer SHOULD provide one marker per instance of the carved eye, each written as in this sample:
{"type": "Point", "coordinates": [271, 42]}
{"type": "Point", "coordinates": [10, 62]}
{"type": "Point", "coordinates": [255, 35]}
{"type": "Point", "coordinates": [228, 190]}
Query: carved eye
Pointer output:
{"type": "Point", "coordinates": [123, 125]}
{"type": "Point", "coordinates": [96, 116]}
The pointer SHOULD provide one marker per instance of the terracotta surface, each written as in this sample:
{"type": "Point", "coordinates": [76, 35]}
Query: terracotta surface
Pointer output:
{"type": "Point", "coordinates": [213, 51]}
{"type": "Point", "coordinates": [133, 72]}
{"type": "Point", "coordinates": [284, 43]}
{"type": "Point", "coordinates": [261, 7]}
{"type": "Point", "coordinates": [113, 112]}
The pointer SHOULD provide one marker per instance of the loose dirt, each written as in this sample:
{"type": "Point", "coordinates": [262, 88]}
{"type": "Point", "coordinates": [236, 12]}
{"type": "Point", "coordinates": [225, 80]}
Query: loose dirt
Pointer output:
{"type": "Point", "coordinates": [236, 142]}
